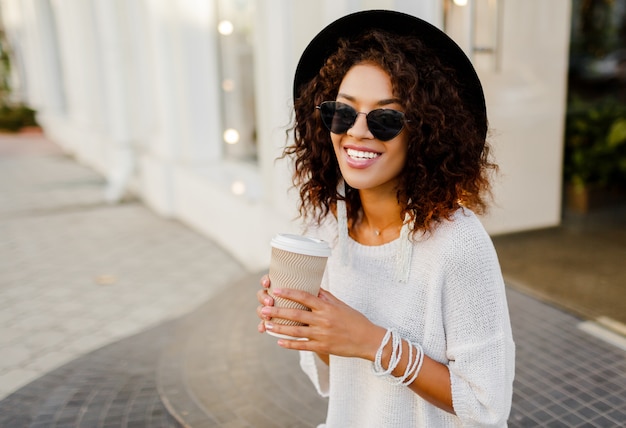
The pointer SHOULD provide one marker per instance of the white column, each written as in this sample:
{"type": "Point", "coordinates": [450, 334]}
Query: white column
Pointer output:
{"type": "Point", "coordinates": [78, 50]}
{"type": "Point", "coordinates": [183, 39]}
{"type": "Point", "coordinates": [162, 36]}
{"type": "Point", "coordinates": [187, 124]}
{"type": "Point", "coordinates": [111, 20]}
{"type": "Point", "coordinates": [85, 121]}
{"type": "Point", "coordinates": [161, 152]}
{"type": "Point", "coordinates": [275, 62]}
{"type": "Point", "coordinates": [49, 70]}
{"type": "Point", "coordinates": [200, 82]}
{"type": "Point", "coordinates": [140, 74]}
{"type": "Point", "coordinates": [428, 10]}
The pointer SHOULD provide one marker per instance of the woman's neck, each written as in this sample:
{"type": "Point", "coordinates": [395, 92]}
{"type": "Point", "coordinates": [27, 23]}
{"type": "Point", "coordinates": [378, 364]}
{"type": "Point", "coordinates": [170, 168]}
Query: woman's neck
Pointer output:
{"type": "Point", "coordinates": [381, 218]}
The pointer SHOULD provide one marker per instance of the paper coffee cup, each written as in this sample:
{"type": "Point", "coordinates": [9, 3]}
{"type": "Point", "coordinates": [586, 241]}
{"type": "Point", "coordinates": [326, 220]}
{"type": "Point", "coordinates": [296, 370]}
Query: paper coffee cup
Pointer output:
{"type": "Point", "coordinates": [297, 262]}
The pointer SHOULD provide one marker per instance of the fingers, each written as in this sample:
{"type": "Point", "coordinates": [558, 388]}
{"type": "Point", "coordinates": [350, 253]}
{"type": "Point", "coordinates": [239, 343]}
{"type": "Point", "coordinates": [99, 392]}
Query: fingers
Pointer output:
{"type": "Point", "coordinates": [264, 298]}
{"type": "Point", "coordinates": [299, 296]}
{"type": "Point", "coordinates": [265, 281]}
{"type": "Point", "coordinates": [298, 315]}
{"type": "Point", "coordinates": [294, 331]}
{"type": "Point", "coordinates": [302, 339]}
{"type": "Point", "coordinates": [267, 310]}
{"type": "Point", "coordinates": [262, 315]}
{"type": "Point", "coordinates": [262, 295]}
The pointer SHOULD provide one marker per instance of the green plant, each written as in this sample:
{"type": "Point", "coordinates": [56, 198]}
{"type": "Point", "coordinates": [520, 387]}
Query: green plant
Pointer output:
{"type": "Point", "coordinates": [595, 143]}
{"type": "Point", "coordinates": [13, 116]}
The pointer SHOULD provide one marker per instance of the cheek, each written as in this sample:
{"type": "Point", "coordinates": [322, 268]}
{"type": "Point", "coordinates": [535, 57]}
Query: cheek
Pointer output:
{"type": "Point", "coordinates": [405, 155]}
{"type": "Point", "coordinates": [336, 140]}
{"type": "Point", "coordinates": [402, 152]}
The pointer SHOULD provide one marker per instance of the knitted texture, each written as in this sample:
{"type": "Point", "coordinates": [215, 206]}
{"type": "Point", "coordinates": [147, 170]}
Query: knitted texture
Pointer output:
{"type": "Point", "coordinates": [453, 304]}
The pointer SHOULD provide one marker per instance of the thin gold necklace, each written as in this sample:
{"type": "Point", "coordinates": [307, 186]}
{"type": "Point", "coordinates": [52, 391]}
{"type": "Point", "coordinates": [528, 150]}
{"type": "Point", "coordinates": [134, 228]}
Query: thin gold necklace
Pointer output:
{"type": "Point", "coordinates": [378, 231]}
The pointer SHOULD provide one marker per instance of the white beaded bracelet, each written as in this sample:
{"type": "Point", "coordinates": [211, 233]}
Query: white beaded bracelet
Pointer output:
{"type": "Point", "coordinates": [396, 353]}
{"type": "Point", "coordinates": [377, 368]}
{"type": "Point", "coordinates": [419, 365]}
{"type": "Point", "coordinates": [394, 357]}
{"type": "Point", "coordinates": [410, 366]}
{"type": "Point", "coordinates": [414, 364]}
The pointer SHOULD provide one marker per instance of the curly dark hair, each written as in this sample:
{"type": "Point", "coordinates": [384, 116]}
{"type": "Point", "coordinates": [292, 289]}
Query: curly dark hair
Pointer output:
{"type": "Point", "coordinates": [448, 158]}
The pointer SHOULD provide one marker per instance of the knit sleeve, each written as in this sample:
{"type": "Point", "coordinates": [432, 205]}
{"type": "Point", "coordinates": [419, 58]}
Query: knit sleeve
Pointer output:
{"type": "Point", "coordinates": [314, 367]}
{"type": "Point", "coordinates": [316, 370]}
{"type": "Point", "coordinates": [310, 363]}
{"type": "Point", "coordinates": [480, 346]}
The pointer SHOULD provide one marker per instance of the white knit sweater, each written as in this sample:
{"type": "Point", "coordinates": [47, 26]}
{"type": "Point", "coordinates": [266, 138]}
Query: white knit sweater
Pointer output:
{"type": "Point", "coordinates": [453, 304]}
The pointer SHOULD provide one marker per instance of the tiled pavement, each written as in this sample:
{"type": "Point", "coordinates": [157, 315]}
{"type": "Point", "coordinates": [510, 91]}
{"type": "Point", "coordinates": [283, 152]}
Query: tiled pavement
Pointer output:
{"type": "Point", "coordinates": [239, 378]}
{"type": "Point", "coordinates": [578, 266]}
{"type": "Point", "coordinates": [76, 275]}
{"type": "Point", "coordinates": [113, 387]}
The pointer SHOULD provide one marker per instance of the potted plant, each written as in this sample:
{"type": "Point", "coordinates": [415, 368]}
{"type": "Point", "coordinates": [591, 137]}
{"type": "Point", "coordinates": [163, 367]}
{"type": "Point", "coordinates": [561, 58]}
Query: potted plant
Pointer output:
{"type": "Point", "coordinates": [13, 115]}
{"type": "Point", "coordinates": [595, 153]}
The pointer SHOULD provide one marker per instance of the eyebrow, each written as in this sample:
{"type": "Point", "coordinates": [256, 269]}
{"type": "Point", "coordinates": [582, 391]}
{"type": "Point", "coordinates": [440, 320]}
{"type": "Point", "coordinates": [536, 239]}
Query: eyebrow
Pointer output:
{"type": "Point", "coordinates": [379, 103]}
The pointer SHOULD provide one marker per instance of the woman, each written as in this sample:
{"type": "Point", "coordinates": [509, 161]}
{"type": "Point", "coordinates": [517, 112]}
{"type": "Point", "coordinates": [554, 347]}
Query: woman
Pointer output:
{"type": "Point", "coordinates": [411, 327]}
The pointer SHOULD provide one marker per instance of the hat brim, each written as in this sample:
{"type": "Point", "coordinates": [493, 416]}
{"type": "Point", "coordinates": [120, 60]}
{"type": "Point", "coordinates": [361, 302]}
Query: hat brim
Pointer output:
{"type": "Point", "coordinates": [450, 54]}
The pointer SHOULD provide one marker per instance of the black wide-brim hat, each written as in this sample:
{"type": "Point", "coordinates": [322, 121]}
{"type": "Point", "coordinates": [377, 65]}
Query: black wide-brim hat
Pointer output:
{"type": "Point", "coordinates": [449, 53]}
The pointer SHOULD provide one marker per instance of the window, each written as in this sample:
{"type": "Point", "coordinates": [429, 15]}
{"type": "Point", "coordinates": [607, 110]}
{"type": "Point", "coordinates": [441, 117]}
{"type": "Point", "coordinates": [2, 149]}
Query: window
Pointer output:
{"type": "Point", "coordinates": [236, 31]}
{"type": "Point", "coordinates": [476, 26]}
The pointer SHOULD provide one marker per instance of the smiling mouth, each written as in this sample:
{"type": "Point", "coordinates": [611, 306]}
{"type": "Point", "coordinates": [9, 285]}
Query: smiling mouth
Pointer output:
{"type": "Point", "coordinates": [359, 154]}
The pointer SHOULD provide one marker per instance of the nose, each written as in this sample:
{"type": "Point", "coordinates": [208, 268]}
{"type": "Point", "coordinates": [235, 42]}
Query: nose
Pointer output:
{"type": "Point", "coordinates": [359, 128]}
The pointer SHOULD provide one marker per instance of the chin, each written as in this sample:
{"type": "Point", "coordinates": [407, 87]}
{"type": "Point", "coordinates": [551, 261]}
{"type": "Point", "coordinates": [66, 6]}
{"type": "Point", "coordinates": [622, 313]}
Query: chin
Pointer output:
{"type": "Point", "coordinates": [360, 184]}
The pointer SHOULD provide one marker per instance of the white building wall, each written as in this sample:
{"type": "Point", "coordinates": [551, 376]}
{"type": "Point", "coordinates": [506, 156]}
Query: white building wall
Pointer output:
{"type": "Point", "coordinates": [137, 96]}
{"type": "Point", "coordinates": [526, 101]}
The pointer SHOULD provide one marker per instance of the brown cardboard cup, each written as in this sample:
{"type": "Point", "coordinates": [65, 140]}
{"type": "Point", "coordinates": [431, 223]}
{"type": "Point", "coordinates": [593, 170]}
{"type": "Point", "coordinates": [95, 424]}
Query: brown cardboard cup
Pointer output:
{"type": "Point", "coordinates": [297, 262]}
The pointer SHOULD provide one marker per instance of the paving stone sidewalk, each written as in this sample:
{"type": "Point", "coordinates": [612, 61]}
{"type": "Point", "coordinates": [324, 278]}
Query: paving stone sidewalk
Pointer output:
{"type": "Point", "coordinates": [112, 387]}
{"type": "Point", "coordinates": [76, 273]}
{"type": "Point", "coordinates": [239, 378]}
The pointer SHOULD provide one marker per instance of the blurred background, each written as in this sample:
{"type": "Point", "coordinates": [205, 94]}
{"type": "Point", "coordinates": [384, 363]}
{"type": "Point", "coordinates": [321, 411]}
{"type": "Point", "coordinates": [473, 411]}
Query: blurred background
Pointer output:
{"type": "Point", "coordinates": [185, 103]}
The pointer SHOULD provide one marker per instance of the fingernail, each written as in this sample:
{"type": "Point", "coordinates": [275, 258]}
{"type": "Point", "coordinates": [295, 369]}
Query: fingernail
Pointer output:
{"type": "Point", "coordinates": [266, 310]}
{"type": "Point", "coordinates": [269, 326]}
{"type": "Point", "coordinates": [267, 301]}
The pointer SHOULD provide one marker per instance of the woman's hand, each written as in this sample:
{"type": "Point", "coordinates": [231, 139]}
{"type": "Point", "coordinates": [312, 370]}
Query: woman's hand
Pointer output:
{"type": "Point", "coordinates": [265, 300]}
{"type": "Point", "coordinates": [335, 328]}
{"type": "Point", "coordinates": [332, 327]}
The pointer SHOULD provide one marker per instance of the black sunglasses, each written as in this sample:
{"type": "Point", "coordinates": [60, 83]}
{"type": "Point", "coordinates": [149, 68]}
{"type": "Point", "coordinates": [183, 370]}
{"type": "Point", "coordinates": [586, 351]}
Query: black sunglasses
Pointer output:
{"type": "Point", "coordinates": [383, 123]}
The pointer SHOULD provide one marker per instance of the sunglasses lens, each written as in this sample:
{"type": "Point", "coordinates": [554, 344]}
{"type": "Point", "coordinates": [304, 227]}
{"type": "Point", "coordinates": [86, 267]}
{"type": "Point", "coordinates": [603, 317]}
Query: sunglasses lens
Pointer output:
{"type": "Point", "coordinates": [337, 117]}
{"type": "Point", "coordinates": [385, 124]}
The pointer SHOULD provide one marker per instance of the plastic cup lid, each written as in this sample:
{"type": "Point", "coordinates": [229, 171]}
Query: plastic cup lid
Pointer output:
{"type": "Point", "coordinates": [301, 245]}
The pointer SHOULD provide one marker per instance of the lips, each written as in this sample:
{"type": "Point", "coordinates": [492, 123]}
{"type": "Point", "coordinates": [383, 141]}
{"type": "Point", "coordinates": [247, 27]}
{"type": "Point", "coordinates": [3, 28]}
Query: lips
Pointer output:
{"type": "Point", "coordinates": [360, 158]}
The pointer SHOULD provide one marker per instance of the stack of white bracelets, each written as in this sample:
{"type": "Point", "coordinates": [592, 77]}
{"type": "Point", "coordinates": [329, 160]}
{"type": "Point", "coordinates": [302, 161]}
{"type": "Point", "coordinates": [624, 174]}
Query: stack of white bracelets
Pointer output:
{"type": "Point", "coordinates": [413, 366]}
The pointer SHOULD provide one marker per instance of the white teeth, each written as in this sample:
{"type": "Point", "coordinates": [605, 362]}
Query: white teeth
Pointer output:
{"type": "Point", "coordinates": [358, 154]}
